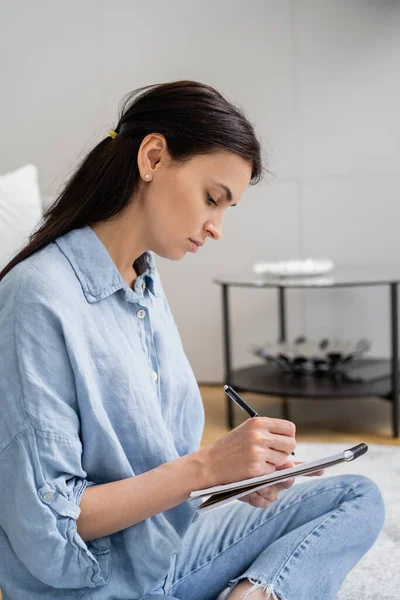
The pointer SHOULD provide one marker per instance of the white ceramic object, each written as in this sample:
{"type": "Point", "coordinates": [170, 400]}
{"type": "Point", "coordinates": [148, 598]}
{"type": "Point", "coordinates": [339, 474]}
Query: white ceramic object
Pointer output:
{"type": "Point", "coordinates": [294, 268]}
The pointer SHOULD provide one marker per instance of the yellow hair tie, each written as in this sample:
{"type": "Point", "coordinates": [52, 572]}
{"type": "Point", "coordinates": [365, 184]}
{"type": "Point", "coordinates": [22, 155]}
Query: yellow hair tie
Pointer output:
{"type": "Point", "coordinates": [112, 134]}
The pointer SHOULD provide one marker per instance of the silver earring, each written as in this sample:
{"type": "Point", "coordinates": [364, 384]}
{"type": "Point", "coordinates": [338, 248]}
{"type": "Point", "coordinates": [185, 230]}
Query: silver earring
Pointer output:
{"type": "Point", "coordinates": [147, 175]}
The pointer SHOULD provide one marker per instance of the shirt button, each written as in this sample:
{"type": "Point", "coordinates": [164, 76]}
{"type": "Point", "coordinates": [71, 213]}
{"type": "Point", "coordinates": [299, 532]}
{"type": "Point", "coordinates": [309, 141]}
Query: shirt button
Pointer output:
{"type": "Point", "coordinates": [154, 375]}
{"type": "Point", "coordinates": [141, 314]}
{"type": "Point", "coordinates": [48, 496]}
{"type": "Point", "coordinates": [143, 286]}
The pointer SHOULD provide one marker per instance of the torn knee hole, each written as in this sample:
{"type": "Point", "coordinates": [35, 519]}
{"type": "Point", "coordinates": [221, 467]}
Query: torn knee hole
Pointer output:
{"type": "Point", "coordinates": [267, 589]}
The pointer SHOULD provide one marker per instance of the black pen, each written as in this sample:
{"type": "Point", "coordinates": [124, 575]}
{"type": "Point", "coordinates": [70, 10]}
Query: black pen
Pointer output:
{"type": "Point", "coordinates": [241, 403]}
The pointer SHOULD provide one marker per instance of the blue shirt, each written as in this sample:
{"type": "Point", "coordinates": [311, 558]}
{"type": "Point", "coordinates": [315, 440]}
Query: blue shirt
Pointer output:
{"type": "Point", "coordinates": [95, 387]}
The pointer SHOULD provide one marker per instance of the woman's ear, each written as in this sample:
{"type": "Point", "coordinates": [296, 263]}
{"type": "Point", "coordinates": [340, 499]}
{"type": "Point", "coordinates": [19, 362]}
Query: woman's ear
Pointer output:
{"type": "Point", "coordinates": [153, 150]}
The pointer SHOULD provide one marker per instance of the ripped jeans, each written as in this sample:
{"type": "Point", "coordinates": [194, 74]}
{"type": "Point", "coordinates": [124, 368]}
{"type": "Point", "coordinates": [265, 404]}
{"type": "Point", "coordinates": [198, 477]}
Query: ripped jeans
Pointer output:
{"type": "Point", "coordinates": [301, 547]}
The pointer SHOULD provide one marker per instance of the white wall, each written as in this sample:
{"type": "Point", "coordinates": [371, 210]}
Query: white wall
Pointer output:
{"type": "Point", "coordinates": [319, 80]}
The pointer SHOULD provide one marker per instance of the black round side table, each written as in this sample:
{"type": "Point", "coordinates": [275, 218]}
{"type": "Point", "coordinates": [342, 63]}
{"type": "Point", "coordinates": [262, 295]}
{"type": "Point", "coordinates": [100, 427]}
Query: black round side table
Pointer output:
{"type": "Point", "coordinates": [268, 379]}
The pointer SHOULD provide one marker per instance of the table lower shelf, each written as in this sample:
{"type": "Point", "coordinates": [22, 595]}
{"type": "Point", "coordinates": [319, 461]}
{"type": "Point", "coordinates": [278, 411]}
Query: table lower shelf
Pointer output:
{"type": "Point", "coordinates": [269, 379]}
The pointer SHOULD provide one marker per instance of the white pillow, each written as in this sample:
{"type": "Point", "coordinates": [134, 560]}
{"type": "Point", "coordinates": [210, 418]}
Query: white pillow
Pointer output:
{"type": "Point", "coordinates": [20, 210]}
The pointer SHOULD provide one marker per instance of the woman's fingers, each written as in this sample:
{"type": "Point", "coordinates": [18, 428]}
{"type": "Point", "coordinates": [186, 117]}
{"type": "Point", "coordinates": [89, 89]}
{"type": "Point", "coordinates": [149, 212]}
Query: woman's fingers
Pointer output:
{"type": "Point", "coordinates": [288, 465]}
{"type": "Point", "coordinates": [266, 496]}
{"type": "Point", "coordinates": [272, 491]}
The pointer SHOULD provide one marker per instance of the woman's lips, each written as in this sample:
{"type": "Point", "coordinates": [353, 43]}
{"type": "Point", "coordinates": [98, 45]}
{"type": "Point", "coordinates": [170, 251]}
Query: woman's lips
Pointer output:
{"type": "Point", "coordinates": [194, 246]}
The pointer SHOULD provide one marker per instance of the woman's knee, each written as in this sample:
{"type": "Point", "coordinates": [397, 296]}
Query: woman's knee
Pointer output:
{"type": "Point", "coordinates": [370, 501]}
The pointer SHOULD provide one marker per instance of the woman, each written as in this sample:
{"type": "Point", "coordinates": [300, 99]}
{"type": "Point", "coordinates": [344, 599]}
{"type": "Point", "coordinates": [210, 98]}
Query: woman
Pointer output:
{"type": "Point", "coordinates": [102, 416]}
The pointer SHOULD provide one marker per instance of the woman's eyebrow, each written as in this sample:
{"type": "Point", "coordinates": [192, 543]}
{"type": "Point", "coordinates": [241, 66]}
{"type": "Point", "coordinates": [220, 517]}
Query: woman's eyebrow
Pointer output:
{"type": "Point", "coordinates": [227, 192]}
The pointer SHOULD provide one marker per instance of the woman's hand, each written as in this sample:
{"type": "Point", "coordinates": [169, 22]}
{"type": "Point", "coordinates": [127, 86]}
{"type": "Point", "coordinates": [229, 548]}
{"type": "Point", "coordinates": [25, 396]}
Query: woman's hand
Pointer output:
{"type": "Point", "coordinates": [256, 447]}
{"type": "Point", "coordinates": [266, 496]}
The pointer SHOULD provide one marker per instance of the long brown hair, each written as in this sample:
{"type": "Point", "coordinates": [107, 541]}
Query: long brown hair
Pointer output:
{"type": "Point", "coordinates": [194, 119]}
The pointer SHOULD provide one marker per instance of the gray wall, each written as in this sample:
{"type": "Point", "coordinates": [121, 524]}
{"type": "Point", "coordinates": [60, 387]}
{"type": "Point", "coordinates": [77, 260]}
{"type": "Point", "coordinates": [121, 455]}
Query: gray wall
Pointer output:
{"type": "Point", "coordinates": [319, 80]}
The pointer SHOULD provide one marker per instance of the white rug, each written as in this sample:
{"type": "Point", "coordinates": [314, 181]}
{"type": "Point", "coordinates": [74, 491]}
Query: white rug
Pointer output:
{"type": "Point", "coordinates": [377, 575]}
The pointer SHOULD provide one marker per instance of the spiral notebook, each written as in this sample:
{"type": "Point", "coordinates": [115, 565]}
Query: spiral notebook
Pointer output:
{"type": "Point", "coordinates": [221, 494]}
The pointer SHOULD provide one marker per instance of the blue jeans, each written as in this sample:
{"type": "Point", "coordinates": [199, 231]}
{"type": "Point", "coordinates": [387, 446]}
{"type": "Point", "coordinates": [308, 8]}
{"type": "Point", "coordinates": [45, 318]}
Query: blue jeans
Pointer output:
{"type": "Point", "coordinates": [301, 547]}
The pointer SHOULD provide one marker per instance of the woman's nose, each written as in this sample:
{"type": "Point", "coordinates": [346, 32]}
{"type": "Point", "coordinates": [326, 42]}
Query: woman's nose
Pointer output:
{"type": "Point", "coordinates": [213, 231]}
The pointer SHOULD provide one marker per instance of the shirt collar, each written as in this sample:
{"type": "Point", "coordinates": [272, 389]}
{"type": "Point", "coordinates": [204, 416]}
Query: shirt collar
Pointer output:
{"type": "Point", "coordinates": [97, 272]}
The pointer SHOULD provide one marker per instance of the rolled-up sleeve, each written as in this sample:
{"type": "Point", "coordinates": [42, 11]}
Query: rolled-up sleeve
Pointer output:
{"type": "Point", "coordinates": [39, 507]}
{"type": "Point", "coordinates": [41, 473]}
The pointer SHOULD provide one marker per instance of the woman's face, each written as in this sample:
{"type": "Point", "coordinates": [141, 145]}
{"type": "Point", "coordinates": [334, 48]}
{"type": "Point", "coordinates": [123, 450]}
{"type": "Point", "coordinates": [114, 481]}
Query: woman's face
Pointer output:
{"type": "Point", "coordinates": [187, 201]}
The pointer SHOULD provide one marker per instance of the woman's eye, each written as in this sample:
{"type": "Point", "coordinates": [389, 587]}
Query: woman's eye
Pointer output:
{"type": "Point", "coordinates": [211, 201]}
